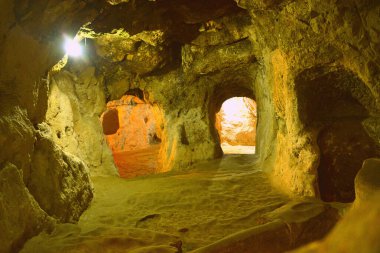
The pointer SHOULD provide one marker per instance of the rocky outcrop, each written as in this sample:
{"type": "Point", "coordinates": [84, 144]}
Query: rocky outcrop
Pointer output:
{"type": "Point", "coordinates": [367, 181]}
{"type": "Point", "coordinates": [312, 66]}
{"type": "Point", "coordinates": [69, 191]}
{"type": "Point", "coordinates": [75, 104]}
{"type": "Point", "coordinates": [320, 40]}
{"type": "Point", "coordinates": [358, 223]}
{"type": "Point", "coordinates": [20, 215]}
{"type": "Point", "coordinates": [30, 36]}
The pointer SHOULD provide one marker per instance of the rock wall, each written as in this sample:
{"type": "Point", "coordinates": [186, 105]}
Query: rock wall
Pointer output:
{"type": "Point", "coordinates": [75, 103]}
{"type": "Point", "coordinates": [30, 36]}
{"type": "Point", "coordinates": [178, 77]}
{"type": "Point", "coordinates": [137, 129]}
{"type": "Point", "coordinates": [174, 63]}
{"type": "Point", "coordinates": [359, 219]}
{"type": "Point", "coordinates": [188, 58]}
{"type": "Point", "coordinates": [325, 36]}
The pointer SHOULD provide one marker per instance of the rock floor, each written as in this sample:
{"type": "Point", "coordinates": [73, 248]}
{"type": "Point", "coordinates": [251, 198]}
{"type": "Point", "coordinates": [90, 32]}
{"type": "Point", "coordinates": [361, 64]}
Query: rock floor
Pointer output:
{"type": "Point", "coordinates": [171, 212]}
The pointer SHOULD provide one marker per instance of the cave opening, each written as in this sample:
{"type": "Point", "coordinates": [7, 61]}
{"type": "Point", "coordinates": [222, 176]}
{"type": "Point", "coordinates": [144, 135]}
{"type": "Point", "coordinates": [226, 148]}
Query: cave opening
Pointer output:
{"type": "Point", "coordinates": [236, 125]}
{"type": "Point", "coordinates": [132, 132]}
{"type": "Point", "coordinates": [335, 104]}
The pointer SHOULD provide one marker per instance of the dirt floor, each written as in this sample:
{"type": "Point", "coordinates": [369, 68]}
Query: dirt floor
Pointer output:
{"type": "Point", "coordinates": [137, 162]}
{"type": "Point", "coordinates": [165, 212]}
{"type": "Point", "coordinates": [238, 149]}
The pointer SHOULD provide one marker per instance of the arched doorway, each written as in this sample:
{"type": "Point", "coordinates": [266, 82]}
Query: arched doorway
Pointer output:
{"type": "Point", "coordinates": [236, 124]}
{"type": "Point", "coordinates": [133, 134]}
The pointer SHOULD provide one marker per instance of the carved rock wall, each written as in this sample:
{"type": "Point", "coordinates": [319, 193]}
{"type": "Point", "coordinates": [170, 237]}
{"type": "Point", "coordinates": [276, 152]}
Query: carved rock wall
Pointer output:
{"type": "Point", "coordinates": [188, 57]}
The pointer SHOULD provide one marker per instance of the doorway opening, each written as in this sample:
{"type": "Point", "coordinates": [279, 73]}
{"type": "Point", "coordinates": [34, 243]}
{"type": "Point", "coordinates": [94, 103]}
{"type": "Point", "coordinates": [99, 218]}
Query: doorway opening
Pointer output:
{"type": "Point", "coordinates": [236, 125]}
{"type": "Point", "coordinates": [133, 134]}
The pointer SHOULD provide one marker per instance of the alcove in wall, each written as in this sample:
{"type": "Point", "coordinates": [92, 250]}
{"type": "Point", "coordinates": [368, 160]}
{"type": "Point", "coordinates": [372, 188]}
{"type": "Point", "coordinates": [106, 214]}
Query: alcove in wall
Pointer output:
{"type": "Point", "coordinates": [335, 103]}
{"type": "Point", "coordinates": [133, 133]}
{"type": "Point", "coordinates": [236, 125]}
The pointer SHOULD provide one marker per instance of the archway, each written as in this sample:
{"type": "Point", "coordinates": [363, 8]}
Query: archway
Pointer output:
{"type": "Point", "coordinates": [334, 104]}
{"type": "Point", "coordinates": [236, 124]}
{"type": "Point", "coordinates": [133, 134]}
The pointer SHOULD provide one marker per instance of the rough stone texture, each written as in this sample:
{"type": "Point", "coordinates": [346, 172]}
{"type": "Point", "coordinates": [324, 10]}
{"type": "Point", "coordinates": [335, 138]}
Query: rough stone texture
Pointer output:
{"type": "Point", "coordinates": [316, 35]}
{"type": "Point", "coordinates": [189, 57]}
{"type": "Point", "coordinates": [177, 88]}
{"type": "Point", "coordinates": [357, 231]}
{"type": "Point", "coordinates": [367, 181]}
{"type": "Point", "coordinates": [137, 128]}
{"type": "Point", "coordinates": [20, 215]}
{"type": "Point", "coordinates": [335, 104]}
{"type": "Point", "coordinates": [30, 38]}
{"type": "Point", "coordinates": [69, 191]}
{"type": "Point", "coordinates": [75, 104]}
{"type": "Point", "coordinates": [306, 78]}
{"type": "Point", "coordinates": [135, 141]}
{"type": "Point", "coordinates": [16, 133]}
{"type": "Point", "coordinates": [344, 146]}
{"type": "Point", "coordinates": [318, 46]}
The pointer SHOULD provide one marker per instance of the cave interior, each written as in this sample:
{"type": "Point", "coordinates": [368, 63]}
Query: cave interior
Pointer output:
{"type": "Point", "coordinates": [162, 126]}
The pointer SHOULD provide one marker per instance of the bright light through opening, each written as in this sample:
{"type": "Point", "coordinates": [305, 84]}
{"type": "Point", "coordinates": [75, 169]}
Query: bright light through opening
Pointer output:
{"type": "Point", "coordinates": [72, 47]}
{"type": "Point", "coordinates": [236, 124]}
{"type": "Point", "coordinates": [235, 109]}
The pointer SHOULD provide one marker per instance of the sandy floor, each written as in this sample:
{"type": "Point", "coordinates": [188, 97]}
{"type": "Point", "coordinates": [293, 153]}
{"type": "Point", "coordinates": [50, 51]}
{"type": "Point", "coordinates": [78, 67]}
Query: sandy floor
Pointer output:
{"type": "Point", "coordinates": [160, 213]}
{"type": "Point", "coordinates": [229, 149]}
{"type": "Point", "coordinates": [137, 163]}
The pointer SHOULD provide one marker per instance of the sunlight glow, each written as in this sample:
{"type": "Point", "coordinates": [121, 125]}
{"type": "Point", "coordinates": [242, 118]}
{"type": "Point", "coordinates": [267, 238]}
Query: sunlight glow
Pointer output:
{"type": "Point", "coordinates": [72, 47]}
{"type": "Point", "coordinates": [236, 125]}
{"type": "Point", "coordinates": [234, 109]}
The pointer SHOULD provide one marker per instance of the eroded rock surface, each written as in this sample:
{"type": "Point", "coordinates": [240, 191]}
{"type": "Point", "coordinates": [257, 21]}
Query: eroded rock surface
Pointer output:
{"type": "Point", "coordinates": [75, 104]}
{"type": "Point", "coordinates": [20, 215]}
{"type": "Point", "coordinates": [69, 191]}
{"type": "Point", "coordinates": [312, 67]}
{"type": "Point", "coordinates": [137, 129]}
{"type": "Point", "coordinates": [367, 181]}
{"type": "Point", "coordinates": [358, 223]}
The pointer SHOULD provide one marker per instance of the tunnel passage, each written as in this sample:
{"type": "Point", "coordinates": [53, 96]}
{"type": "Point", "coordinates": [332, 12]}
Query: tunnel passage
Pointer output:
{"type": "Point", "coordinates": [336, 103]}
{"type": "Point", "coordinates": [234, 116]}
{"type": "Point", "coordinates": [132, 133]}
{"type": "Point", "coordinates": [236, 125]}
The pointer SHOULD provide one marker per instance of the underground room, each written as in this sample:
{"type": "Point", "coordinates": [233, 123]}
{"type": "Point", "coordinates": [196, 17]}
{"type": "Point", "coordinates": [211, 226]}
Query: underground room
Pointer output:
{"type": "Point", "coordinates": [162, 126]}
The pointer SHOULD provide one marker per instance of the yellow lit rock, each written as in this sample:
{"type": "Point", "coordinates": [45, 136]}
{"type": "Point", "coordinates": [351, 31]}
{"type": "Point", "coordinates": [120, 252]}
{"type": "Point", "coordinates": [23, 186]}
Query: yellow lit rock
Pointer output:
{"type": "Point", "coordinates": [312, 67]}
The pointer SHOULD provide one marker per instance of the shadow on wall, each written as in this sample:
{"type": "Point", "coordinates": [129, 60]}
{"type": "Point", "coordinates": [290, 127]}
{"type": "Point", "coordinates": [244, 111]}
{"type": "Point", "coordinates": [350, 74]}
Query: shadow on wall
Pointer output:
{"type": "Point", "coordinates": [133, 135]}
{"type": "Point", "coordinates": [336, 103]}
{"type": "Point", "coordinates": [236, 124]}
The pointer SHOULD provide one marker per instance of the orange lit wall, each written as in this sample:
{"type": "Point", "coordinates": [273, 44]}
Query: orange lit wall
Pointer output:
{"type": "Point", "coordinates": [135, 143]}
{"type": "Point", "coordinates": [137, 125]}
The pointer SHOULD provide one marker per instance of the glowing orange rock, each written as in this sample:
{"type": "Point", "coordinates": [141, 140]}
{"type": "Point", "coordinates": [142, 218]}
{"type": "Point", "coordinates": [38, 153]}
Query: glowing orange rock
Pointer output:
{"type": "Point", "coordinates": [134, 144]}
